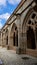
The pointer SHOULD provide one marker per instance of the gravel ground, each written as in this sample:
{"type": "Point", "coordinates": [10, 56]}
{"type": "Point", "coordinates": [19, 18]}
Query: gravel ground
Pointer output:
{"type": "Point", "coordinates": [9, 57]}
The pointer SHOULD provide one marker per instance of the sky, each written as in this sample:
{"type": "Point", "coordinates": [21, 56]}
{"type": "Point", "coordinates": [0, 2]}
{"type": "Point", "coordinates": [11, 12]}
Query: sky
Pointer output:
{"type": "Point", "coordinates": [6, 9]}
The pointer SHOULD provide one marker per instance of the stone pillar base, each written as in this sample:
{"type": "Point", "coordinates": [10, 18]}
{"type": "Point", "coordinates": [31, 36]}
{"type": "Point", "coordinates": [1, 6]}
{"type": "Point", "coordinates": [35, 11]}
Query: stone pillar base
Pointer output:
{"type": "Point", "coordinates": [20, 51]}
{"type": "Point", "coordinates": [8, 47]}
{"type": "Point", "coordinates": [3, 45]}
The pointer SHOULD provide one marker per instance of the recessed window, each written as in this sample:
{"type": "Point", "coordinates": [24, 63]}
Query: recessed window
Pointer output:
{"type": "Point", "coordinates": [33, 16]}
{"type": "Point", "coordinates": [35, 22]}
{"type": "Point", "coordinates": [29, 22]}
{"type": "Point", "coordinates": [15, 28]}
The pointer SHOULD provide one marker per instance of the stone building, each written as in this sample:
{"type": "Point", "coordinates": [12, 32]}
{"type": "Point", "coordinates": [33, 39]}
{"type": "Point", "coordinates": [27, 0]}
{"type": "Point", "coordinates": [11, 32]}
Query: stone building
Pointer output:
{"type": "Point", "coordinates": [20, 31]}
{"type": "Point", "coordinates": [0, 37]}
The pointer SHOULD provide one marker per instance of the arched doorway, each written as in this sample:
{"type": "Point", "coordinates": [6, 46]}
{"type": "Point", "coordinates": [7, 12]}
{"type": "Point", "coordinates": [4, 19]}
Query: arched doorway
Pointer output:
{"type": "Point", "coordinates": [15, 37]}
{"type": "Point", "coordinates": [6, 33]}
{"type": "Point", "coordinates": [29, 27]}
{"type": "Point", "coordinates": [30, 38]}
{"type": "Point", "coordinates": [7, 40]}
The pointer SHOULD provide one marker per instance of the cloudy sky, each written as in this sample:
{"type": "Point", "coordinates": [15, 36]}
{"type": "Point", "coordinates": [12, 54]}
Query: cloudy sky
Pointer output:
{"type": "Point", "coordinates": [6, 8]}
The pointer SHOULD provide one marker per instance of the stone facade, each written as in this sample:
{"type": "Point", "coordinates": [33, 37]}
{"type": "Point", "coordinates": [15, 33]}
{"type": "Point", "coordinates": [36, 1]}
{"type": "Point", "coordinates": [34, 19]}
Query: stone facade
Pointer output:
{"type": "Point", "coordinates": [20, 31]}
{"type": "Point", "coordinates": [0, 37]}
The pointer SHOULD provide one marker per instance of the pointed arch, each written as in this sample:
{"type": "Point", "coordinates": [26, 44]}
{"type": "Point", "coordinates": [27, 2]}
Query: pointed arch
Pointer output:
{"type": "Point", "coordinates": [30, 38]}
{"type": "Point", "coordinates": [14, 35]}
{"type": "Point", "coordinates": [31, 15]}
{"type": "Point", "coordinates": [6, 33]}
{"type": "Point", "coordinates": [28, 27]}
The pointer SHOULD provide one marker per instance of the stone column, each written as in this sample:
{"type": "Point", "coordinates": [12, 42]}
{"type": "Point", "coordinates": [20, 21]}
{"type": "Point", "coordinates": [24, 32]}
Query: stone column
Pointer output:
{"type": "Point", "coordinates": [18, 50]}
{"type": "Point", "coordinates": [10, 40]}
{"type": "Point", "coordinates": [5, 41]}
{"type": "Point", "coordinates": [24, 42]}
{"type": "Point", "coordinates": [8, 46]}
{"type": "Point", "coordinates": [1, 39]}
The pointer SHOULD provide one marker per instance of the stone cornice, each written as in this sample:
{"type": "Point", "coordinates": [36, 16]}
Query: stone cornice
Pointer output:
{"type": "Point", "coordinates": [18, 7]}
{"type": "Point", "coordinates": [15, 11]}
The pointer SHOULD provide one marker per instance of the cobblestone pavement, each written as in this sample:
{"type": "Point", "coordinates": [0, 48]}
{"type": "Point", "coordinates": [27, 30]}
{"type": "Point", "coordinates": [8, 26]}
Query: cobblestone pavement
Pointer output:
{"type": "Point", "coordinates": [9, 57]}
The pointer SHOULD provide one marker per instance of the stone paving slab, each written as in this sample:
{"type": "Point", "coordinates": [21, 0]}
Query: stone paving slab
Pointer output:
{"type": "Point", "coordinates": [1, 63]}
{"type": "Point", "coordinates": [9, 57]}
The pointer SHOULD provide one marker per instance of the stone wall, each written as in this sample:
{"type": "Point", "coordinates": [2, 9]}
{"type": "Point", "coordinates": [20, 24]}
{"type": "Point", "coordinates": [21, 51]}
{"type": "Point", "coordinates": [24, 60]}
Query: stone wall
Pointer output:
{"type": "Point", "coordinates": [18, 19]}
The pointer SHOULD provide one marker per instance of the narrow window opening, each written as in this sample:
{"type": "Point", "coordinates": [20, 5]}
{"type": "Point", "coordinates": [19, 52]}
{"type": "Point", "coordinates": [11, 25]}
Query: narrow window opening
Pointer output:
{"type": "Point", "coordinates": [33, 16]}
{"type": "Point", "coordinates": [29, 22]}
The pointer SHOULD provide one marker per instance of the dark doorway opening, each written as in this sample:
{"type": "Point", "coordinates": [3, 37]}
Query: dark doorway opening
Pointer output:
{"type": "Point", "coordinates": [30, 38]}
{"type": "Point", "coordinates": [7, 40]}
{"type": "Point", "coordinates": [15, 37]}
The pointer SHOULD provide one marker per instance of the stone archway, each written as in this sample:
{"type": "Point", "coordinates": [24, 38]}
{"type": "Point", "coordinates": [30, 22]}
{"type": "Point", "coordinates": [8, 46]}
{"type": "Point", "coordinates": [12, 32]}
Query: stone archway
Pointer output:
{"type": "Point", "coordinates": [14, 35]}
{"type": "Point", "coordinates": [30, 38]}
{"type": "Point", "coordinates": [7, 40]}
{"type": "Point", "coordinates": [6, 33]}
{"type": "Point", "coordinates": [29, 24]}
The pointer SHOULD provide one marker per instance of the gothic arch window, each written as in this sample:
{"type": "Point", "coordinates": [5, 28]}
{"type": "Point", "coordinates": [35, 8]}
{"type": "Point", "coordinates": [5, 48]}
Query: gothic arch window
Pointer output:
{"type": "Point", "coordinates": [30, 38]}
{"type": "Point", "coordinates": [6, 33]}
{"type": "Point", "coordinates": [29, 22]}
{"type": "Point", "coordinates": [29, 27]}
{"type": "Point", "coordinates": [30, 33]}
{"type": "Point", "coordinates": [7, 40]}
{"type": "Point", "coordinates": [33, 15]}
{"type": "Point", "coordinates": [32, 19]}
{"type": "Point", "coordinates": [15, 37]}
{"type": "Point", "coordinates": [14, 34]}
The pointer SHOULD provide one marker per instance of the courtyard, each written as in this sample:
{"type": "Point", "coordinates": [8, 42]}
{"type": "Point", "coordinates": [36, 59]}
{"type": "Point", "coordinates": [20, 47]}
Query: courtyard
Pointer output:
{"type": "Point", "coordinates": [9, 57]}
